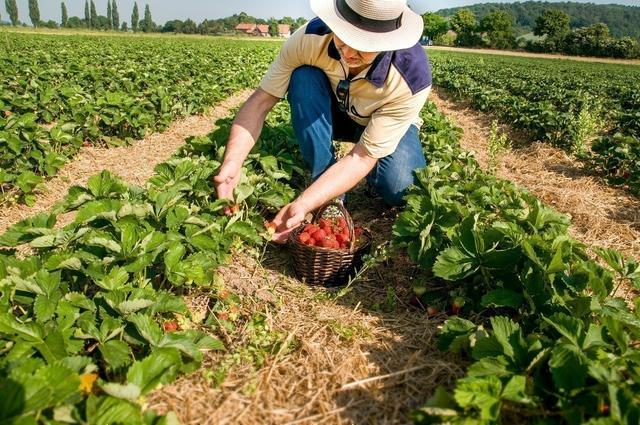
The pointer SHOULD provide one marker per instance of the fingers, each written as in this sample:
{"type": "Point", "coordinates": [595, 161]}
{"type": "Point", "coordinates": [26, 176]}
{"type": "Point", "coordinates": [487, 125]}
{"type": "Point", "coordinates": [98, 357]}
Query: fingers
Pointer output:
{"type": "Point", "coordinates": [281, 237]}
{"type": "Point", "coordinates": [226, 173]}
{"type": "Point", "coordinates": [295, 220]}
{"type": "Point", "coordinates": [224, 182]}
{"type": "Point", "coordinates": [287, 219]}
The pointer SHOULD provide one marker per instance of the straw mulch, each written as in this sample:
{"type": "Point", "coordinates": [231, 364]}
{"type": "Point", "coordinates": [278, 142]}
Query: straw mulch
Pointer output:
{"type": "Point", "coordinates": [536, 55]}
{"type": "Point", "coordinates": [133, 163]}
{"type": "Point", "coordinates": [364, 357]}
{"type": "Point", "coordinates": [601, 215]}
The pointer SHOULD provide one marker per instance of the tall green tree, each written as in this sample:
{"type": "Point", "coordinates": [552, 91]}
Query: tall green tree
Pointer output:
{"type": "Point", "coordinates": [94, 15]}
{"type": "Point", "coordinates": [465, 25]}
{"type": "Point", "coordinates": [273, 27]}
{"type": "Point", "coordinates": [148, 22]}
{"type": "Point", "coordinates": [552, 23]}
{"type": "Point", "coordinates": [135, 17]}
{"type": "Point", "coordinates": [434, 25]}
{"type": "Point", "coordinates": [109, 16]}
{"type": "Point", "coordinates": [593, 40]}
{"type": "Point", "coordinates": [498, 27]}
{"type": "Point", "coordinates": [87, 14]}
{"type": "Point", "coordinates": [115, 17]}
{"type": "Point", "coordinates": [64, 14]}
{"type": "Point", "coordinates": [12, 10]}
{"type": "Point", "coordinates": [34, 12]}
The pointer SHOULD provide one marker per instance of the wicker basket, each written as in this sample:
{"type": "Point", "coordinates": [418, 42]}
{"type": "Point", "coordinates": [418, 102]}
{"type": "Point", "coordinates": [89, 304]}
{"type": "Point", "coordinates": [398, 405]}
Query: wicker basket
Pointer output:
{"type": "Point", "coordinates": [325, 266]}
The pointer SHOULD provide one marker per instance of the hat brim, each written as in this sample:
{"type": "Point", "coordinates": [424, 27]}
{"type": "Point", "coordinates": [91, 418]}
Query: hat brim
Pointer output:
{"type": "Point", "coordinates": [404, 37]}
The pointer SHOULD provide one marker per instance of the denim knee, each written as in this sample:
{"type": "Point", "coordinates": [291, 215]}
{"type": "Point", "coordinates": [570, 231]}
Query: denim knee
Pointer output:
{"type": "Point", "coordinates": [395, 173]}
{"type": "Point", "coordinates": [393, 186]}
{"type": "Point", "coordinates": [301, 82]}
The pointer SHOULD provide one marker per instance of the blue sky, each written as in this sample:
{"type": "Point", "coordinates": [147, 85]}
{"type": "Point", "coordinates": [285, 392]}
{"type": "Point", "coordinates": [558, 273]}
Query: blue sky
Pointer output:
{"type": "Point", "coordinates": [198, 10]}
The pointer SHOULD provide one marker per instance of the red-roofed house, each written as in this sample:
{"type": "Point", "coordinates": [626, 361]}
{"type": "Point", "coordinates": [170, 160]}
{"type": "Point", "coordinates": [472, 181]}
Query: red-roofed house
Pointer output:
{"type": "Point", "coordinates": [253, 29]}
{"type": "Point", "coordinates": [263, 30]}
{"type": "Point", "coordinates": [284, 30]}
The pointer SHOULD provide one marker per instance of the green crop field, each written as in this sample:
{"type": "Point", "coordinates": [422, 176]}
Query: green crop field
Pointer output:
{"type": "Point", "coordinates": [58, 93]}
{"type": "Point", "coordinates": [590, 109]}
{"type": "Point", "coordinates": [93, 315]}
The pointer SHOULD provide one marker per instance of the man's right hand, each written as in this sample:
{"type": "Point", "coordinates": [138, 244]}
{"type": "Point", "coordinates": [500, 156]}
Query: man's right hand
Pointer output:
{"type": "Point", "coordinates": [226, 180]}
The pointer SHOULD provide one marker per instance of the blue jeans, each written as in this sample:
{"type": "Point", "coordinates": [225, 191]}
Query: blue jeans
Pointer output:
{"type": "Point", "coordinates": [317, 121]}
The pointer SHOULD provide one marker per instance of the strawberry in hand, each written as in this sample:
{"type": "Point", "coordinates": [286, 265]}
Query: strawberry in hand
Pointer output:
{"type": "Point", "coordinates": [287, 219]}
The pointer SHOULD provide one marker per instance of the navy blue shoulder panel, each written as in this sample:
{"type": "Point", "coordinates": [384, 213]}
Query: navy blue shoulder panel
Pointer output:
{"type": "Point", "coordinates": [413, 65]}
{"type": "Point", "coordinates": [317, 27]}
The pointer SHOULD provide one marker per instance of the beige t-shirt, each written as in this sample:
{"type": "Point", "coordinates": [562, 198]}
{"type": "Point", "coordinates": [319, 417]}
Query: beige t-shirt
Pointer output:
{"type": "Point", "coordinates": [386, 97]}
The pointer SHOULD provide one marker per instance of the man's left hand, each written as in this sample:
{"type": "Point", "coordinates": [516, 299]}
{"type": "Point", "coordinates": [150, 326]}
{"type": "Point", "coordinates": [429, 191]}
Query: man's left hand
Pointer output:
{"type": "Point", "coordinates": [289, 217]}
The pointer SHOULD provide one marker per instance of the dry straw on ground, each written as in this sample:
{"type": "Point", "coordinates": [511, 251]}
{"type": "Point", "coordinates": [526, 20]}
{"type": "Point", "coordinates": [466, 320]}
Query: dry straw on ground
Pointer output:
{"type": "Point", "coordinates": [537, 55]}
{"type": "Point", "coordinates": [133, 163]}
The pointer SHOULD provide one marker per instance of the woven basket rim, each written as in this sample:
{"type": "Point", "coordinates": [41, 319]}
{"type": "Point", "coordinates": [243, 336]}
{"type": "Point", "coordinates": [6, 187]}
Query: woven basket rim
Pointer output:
{"type": "Point", "coordinates": [350, 225]}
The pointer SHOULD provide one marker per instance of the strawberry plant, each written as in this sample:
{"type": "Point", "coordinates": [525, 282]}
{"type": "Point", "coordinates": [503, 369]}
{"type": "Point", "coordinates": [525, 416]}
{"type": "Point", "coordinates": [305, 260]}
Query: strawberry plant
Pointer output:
{"type": "Point", "coordinates": [548, 343]}
{"type": "Point", "coordinates": [85, 90]}
{"type": "Point", "coordinates": [88, 323]}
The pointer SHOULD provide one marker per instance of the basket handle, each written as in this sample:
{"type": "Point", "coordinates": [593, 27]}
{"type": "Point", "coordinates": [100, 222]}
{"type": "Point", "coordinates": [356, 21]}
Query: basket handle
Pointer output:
{"type": "Point", "coordinates": [345, 214]}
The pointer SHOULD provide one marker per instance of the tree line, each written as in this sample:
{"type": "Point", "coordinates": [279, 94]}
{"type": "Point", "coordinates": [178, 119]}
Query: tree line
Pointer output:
{"type": "Point", "coordinates": [91, 20]}
{"type": "Point", "coordinates": [554, 35]}
{"type": "Point", "coordinates": [112, 20]}
{"type": "Point", "coordinates": [621, 20]}
{"type": "Point", "coordinates": [227, 25]}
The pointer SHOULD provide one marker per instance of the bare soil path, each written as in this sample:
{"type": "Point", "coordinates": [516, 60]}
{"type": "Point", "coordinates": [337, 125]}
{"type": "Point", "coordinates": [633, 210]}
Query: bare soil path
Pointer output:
{"type": "Point", "coordinates": [602, 215]}
{"type": "Point", "coordinates": [133, 163]}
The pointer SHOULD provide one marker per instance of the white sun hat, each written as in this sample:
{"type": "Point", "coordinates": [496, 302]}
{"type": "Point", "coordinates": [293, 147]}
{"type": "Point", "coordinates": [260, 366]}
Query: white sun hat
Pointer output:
{"type": "Point", "coordinates": [371, 25]}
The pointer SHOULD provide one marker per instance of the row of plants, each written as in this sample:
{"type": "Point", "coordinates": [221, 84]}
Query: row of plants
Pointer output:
{"type": "Point", "coordinates": [94, 318]}
{"type": "Point", "coordinates": [589, 109]}
{"type": "Point", "coordinates": [546, 337]}
{"type": "Point", "coordinates": [58, 93]}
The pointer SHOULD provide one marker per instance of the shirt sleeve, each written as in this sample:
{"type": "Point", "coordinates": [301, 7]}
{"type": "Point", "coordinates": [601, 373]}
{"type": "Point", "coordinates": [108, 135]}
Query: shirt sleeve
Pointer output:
{"type": "Point", "coordinates": [389, 123]}
{"type": "Point", "coordinates": [295, 52]}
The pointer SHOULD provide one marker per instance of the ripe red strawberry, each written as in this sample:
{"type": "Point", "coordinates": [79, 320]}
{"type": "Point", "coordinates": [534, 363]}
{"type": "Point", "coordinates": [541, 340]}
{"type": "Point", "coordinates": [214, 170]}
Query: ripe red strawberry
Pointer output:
{"type": "Point", "coordinates": [304, 237]}
{"type": "Point", "coordinates": [324, 223]}
{"type": "Point", "coordinates": [319, 235]}
{"type": "Point", "coordinates": [170, 326]}
{"type": "Point", "coordinates": [324, 243]}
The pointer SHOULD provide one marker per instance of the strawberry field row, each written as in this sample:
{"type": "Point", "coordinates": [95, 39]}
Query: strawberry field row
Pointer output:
{"type": "Point", "coordinates": [57, 93]}
{"type": "Point", "coordinates": [545, 340]}
{"type": "Point", "coordinates": [590, 109]}
{"type": "Point", "coordinates": [95, 318]}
